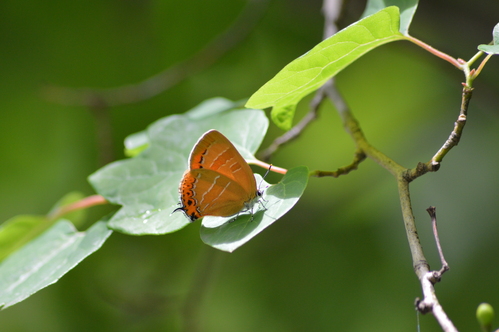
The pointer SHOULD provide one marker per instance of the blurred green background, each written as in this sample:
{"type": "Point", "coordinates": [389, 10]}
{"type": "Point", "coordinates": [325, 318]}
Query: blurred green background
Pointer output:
{"type": "Point", "coordinates": [339, 261]}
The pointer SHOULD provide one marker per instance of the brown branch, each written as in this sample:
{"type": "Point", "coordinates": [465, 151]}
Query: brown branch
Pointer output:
{"type": "Point", "coordinates": [455, 136]}
{"type": "Point", "coordinates": [90, 97]}
{"type": "Point", "coordinates": [431, 304]}
{"type": "Point", "coordinates": [358, 158]}
{"type": "Point", "coordinates": [419, 262]}
{"type": "Point", "coordinates": [352, 127]}
{"type": "Point", "coordinates": [453, 140]}
{"type": "Point", "coordinates": [432, 211]}
{"type": "Point", "coordinates": [430, 301]}
{"type": "Point", "coordinates": [403, 176]}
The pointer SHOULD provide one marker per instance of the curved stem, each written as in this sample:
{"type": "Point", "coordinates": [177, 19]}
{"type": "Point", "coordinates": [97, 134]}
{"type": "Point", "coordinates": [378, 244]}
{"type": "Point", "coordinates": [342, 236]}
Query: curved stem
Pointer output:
{"type": "Point", "coordinates": [268, 167]}
{"type": "Point", "coordinates": [81, 204]}
{"type": "Point", "coordinates": [475, 57]}
{"type": "Point", "coordinates": [360, 156]}
{"type": "Point", "coordinates": [452, 141]}
{"type": "Point", "coordinates": [480, 67]}
{"type": "Point", "coordinates": [458, 64]}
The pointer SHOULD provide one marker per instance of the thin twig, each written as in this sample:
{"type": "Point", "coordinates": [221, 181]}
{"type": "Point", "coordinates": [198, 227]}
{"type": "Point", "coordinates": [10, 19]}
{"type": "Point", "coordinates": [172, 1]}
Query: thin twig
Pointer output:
{"type": "Point", "coordinates": [352, 127]}
{"type": "Point", "coordinates": [432, 211]}
{"type": "Point", "coordinates": [235, 34]}
{"type": "Point", "coordinates": [294, 132]}
{"type": "Point", "coordinates": [455, 136]}
{"type": "Point", "coordinates": [453, 139]}
{"type": "Point", "coordinates": [358, 158]}
{"type": "Point", "coordinates": [481, 65]}
{"type": "Point", "coordinates": [426, 277]}
{"type": "Point", "coordinates": [81, 204]}
{"type": "Point", "coordinates": [268, 167]}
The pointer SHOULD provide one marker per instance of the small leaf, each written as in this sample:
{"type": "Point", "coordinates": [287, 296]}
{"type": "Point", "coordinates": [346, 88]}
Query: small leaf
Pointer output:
{"type": "Point", "coordinates": [407, 10]}
{"type": "Point", "coordinates": [147, 185]}
{"type": "Point", "coordinates": [492, 49]}
{"type": "Point", "coordinates": [47, 258]}
{"type": "Point", "coordinates": [495, 34]}
{"type": "Point", "coordinates": [310, 71]}
{"type": "Point", "coordinates": [278, 199]}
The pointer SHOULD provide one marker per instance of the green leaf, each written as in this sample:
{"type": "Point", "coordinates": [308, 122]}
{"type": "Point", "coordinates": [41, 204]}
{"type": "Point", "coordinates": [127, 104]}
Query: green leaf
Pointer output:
{"type": "Point", "coordinates": [227, 235]}
{"type": "Point", "coordinates": [147, 186]}
{"type": "Point", "coordinates": [19, 230]}
{"type": "Point", "coordinates": [47, 258]}
{"type": "Point", "coordinates": [138, 142]}
{"type": "Point", "coordinates": [310, 71]}
{"type": "Point", "coordinates": [492, 49]}
{"type": "Point", "coordinates": [407, 10]}
{"type": "Point", "coordinates": [495, 34]}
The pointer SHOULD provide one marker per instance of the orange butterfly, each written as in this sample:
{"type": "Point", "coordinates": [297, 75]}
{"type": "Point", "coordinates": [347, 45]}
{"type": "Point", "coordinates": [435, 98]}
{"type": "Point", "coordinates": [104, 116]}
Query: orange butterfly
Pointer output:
{"type": "Point", "coordinates": [219, 182]}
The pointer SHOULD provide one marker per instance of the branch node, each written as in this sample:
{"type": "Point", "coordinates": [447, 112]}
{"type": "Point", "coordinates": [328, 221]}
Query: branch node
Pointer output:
{"type": "Point", "coordinates": [422, 266]}
{"type": "Point", "coordinates": [436, 277]}
{"type": "Point", "coordinates": [435, 165]}
{"type": "Point", "coordinates": [422, 306]}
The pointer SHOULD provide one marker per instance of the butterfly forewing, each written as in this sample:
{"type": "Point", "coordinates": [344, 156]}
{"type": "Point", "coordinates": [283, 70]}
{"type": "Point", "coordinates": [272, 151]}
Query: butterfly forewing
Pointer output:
{"type": "Point", "coordinates": [219, 182]}
{"type": "Point", "coordinates": [214, 151]}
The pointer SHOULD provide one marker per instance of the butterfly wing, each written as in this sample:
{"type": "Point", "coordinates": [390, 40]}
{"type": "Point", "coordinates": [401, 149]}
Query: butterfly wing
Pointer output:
{"type": "Point", "coordinates": [215, 152]}
{"type": "Point", "coordinates": [207, 192]}
{"type": "Point", "coordinates": [219, 182]}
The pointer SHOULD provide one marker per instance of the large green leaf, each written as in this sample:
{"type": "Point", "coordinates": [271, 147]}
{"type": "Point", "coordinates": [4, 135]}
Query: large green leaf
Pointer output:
{"type": "Point", "coordinates": [227, 234]}
{"type": "Point", "coordinates": [313, 69]}
{"type": "Point", "coordinates": [494, 48]}
{"type": "Point", "coordinates": [47, 258]}
{"type": "Point", "coordinates": [407, 10]}
{"type": "Point", "coordinates": [147, 185]}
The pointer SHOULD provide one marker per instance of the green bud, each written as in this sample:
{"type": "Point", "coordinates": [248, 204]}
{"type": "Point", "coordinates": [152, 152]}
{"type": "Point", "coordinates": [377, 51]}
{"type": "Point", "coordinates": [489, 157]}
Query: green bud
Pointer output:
{"type": "Point", "coordinates": [485, 315]}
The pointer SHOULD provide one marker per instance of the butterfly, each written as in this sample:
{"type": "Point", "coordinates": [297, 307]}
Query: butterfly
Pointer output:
{"type": "Point", "coordinates": [218, 182]}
